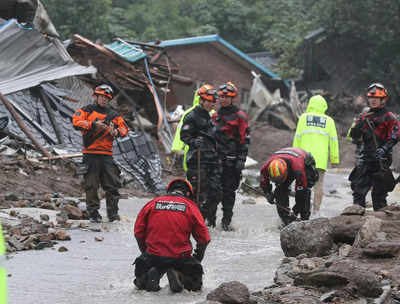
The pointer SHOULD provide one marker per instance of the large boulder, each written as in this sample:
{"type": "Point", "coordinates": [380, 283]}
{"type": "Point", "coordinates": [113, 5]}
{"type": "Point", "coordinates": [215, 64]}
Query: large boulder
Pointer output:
{"type": "Point", "coordinates": [345, 228]}
{"type": "Point", "coordinates": [230, 293]}
{"type": "Point", "coordinates": [313, 238]}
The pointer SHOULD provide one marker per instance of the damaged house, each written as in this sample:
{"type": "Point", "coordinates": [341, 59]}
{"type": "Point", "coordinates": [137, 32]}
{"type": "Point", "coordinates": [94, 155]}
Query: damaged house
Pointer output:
{"type": "Point", "coordinates": [41, 91]}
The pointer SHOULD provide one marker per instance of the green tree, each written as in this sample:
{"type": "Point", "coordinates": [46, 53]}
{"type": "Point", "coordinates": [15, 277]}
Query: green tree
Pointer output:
{"type": "Point", "coordinates": [88, 18]}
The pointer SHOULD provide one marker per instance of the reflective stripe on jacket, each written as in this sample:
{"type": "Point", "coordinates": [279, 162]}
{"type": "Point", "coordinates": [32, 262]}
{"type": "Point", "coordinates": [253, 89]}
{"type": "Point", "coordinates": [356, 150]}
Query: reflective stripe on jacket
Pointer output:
{"type": "Point", "coordinates": [316, 133]}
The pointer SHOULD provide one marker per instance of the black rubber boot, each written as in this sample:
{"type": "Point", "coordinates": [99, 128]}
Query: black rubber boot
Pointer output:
{"type": "Point", "coordinates": [153, 280]}
{"type": "Point", "coordinates": [95, 217]}
{"type": "Point", "coordinates": [175, 280]}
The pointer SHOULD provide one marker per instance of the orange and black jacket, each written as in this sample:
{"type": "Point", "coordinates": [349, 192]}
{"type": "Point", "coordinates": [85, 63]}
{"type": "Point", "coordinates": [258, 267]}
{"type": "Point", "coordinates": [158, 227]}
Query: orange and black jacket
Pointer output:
{"type": "Point", "coordinates": [98, 141]}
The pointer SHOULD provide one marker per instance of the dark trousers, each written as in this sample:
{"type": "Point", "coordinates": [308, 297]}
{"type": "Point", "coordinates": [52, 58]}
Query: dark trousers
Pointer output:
{"type": "Point", "coordinates": [363, 178]}
{"type": "Point", "coordinates": [101, 171]}
{"type": "Point", "coordinates": [210, 189]}
{"type": "Point", "coordinates": [189, 267]}
{"type": "Point", "coordinates": [230, 183]}
{"type": "Point", "coordinates": [301, 207]}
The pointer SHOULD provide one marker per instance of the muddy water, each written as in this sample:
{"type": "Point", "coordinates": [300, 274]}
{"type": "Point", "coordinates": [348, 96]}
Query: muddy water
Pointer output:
{"type": "Point", "coordinates": [101, 272]}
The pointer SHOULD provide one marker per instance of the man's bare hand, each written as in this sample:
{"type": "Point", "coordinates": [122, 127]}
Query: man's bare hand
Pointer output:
{"type": "Point", "coordinates": [334, 166]}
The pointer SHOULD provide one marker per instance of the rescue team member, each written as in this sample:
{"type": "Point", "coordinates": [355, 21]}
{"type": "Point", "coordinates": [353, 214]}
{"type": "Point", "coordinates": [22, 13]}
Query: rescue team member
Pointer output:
{"type": "Point", "coordinates": [163, 229]}
{"type": "Point", "coordinates": [378, 129]}
{"type": "Point", "coordinates": [178, 144]}
{"type": "Point", "coordinates": [198, 132]}
{"type": "Point", "coordinates": [233, 139]}
{"type": "Point", "coordinates": [282, 168]}
{"type": "Point", "coordinates": [3, 274]}
{"type": "Point", "coordinates": [99, 126]}
{"type": "Point", "coordinates": [316, 133]}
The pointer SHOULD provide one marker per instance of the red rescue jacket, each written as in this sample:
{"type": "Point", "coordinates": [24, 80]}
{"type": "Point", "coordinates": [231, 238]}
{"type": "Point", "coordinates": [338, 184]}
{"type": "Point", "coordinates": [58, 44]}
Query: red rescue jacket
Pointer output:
{"type": "Point", "coordinates": [97, 141]}
{"type": "Point", "coordinates": [164, 225]}
{"type": "Point", "coordinates": [294, 158]}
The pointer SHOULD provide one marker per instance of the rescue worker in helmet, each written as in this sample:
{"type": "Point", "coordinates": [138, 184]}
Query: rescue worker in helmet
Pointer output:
{"type": "Point", "coordinates": [163, 229]}
{"type": "Point", "coordinates": [378, 129]}
{"type": "Point", "coordinates": [198, 132]}
{"type": "Point", "coordinates": [233, 139]}
{"type": "Point", "coordinates": [99, 126]}
{"type": "Point", "coordinates": [282, 168]}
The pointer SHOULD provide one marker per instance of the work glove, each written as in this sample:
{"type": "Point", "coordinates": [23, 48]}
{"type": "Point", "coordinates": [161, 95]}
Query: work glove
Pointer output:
{"type": "Point", "coordinates": [199, 251]}
{"type": "Point", "coordinates": [198, 142]}
{"type": "Point", "coordinates": [270, 197]}
{"type": "Point", "coordinates": [379, 154]}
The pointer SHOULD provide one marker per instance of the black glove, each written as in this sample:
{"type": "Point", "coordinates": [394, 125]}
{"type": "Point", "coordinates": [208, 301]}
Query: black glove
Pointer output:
{"type": "Point", "coordinates": [270, 197]}
{"type": "Point", "coordinates": [199, 251]}
{"type": "Point", "coordinates": [379, 154]}
{"type": "Point", "coordinates": [198, 142]}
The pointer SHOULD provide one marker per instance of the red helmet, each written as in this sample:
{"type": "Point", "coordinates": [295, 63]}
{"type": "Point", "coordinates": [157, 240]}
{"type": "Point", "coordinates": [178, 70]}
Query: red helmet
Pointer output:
{"type": "Point", "coordinates": [377, 90]}
{"type": "Point", "coordinates": [277, 171]}
{"type": "Point", "coordinates": [207, 92]}
{"type": "Point", "coordinates": [105, 90]}
{"type": "Point", "coordinates": [181, 186]}
{"type": "Point", "coordinates": [227, 89]}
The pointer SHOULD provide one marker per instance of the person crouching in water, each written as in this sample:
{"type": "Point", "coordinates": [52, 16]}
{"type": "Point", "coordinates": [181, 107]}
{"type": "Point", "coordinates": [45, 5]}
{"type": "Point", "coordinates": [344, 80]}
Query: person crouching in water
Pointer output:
{"type": "Point", "coordinates": [282, 168]}
{"type": "Point", "coordinates": [163, 229]}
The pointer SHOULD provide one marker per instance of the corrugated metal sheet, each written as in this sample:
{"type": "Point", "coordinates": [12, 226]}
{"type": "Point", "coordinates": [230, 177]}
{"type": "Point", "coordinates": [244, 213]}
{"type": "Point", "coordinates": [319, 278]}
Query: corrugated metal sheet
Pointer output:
{"type": "Point", "coordinates": [28, 59]}
{"type": "Point", "coordinates": [125, 50]}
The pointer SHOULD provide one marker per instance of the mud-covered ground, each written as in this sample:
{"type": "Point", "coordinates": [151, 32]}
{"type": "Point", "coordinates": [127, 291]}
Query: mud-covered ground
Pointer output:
{"type": "Point", "coordinates": [27, 179]}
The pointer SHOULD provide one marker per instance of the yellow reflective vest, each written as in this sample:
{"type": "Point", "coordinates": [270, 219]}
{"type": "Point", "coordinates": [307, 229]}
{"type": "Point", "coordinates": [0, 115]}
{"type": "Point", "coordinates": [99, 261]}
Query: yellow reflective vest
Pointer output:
{"type": "Point", "coordinates": [316, 133]}
{"type": "Point", "coordinates": [3, 274]}
{"type": "Point", "coordinates": [177, 143]}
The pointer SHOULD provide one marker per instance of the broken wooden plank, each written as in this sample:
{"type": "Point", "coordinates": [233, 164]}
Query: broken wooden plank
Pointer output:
{"type": "Point", "coordinates": [62, 156]}
{"type": "Point", "coordinates": [23, 127]}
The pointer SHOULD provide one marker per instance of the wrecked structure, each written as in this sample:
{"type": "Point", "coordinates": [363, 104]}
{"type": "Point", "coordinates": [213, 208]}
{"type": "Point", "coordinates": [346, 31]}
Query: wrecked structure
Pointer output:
{"type": "Point", "coordinates": [42, 88]}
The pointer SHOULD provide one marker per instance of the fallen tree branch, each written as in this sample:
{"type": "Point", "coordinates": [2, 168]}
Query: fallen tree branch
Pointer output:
{"type": "Point", "coordinates": [63, 156]}
{"type": "Point", "coordinates": [23, 126]}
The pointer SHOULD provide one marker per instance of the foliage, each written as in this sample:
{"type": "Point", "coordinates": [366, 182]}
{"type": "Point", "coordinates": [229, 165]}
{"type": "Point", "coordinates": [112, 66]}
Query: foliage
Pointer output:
{"type": "Point", "coordinates": [88, 18]}
{"type": "Point", "coordinates": [278, 26]}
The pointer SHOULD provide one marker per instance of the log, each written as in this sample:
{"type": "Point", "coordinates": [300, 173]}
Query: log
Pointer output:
{"type": "Point", "coordinates": [62, 156]}
{"type": "Point", "coordinates": [23, 126]}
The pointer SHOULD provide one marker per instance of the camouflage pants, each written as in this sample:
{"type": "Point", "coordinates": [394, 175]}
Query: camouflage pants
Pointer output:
{"type": "Point", "coordinates": [101, 171]}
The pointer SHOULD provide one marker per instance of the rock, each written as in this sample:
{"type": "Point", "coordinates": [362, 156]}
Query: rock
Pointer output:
{"type": "Point", "coordinates": [232, 292]}
{"type": "Point", "coordinates": [382, 249]}
{"type": "Point", "coordinates": [73, 213]}
{"type": "Point", "coordinates": [62, 249]}
{"type": "Point", "coordinates": [44, 217]}
{"type": "Point", "coordinates": [99, 238]}
{"type": "Point", "coordinates": [344, 250]}
{"type": "Point", "coordinates": [365, 281]}
{"type": "Point", "coordinates": [321, 278]}
{"type": "Point", "coordinates": [346, 227]}
{"type": "Point", "coordinates": [47, 205]}
{"type": "Point", "coordinates": [312, 237]}
{"type": "Point", "coordinates": [61, 235]}
{"type": "Point", "coordinates": [249, 201]}
{"type": "Point", "coordinates": [11, 197]}
{"type": "Point", "coordinates": [354, 210]}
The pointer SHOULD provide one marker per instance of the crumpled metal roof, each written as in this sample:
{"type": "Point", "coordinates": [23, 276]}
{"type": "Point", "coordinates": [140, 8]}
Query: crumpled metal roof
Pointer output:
{"type": "Point", "coordinates": [29, 58]}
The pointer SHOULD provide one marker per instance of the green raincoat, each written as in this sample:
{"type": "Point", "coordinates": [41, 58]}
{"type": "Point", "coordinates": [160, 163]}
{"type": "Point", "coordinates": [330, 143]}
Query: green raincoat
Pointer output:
{"type": "Point", "coordinates": [316, 133]}
{"type": "Point", "coordinates": [178, 144]}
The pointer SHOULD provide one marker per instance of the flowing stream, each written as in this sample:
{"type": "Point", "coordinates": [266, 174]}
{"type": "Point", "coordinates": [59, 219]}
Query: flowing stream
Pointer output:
{"type": "Point", "coordinates": [101, 271]}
